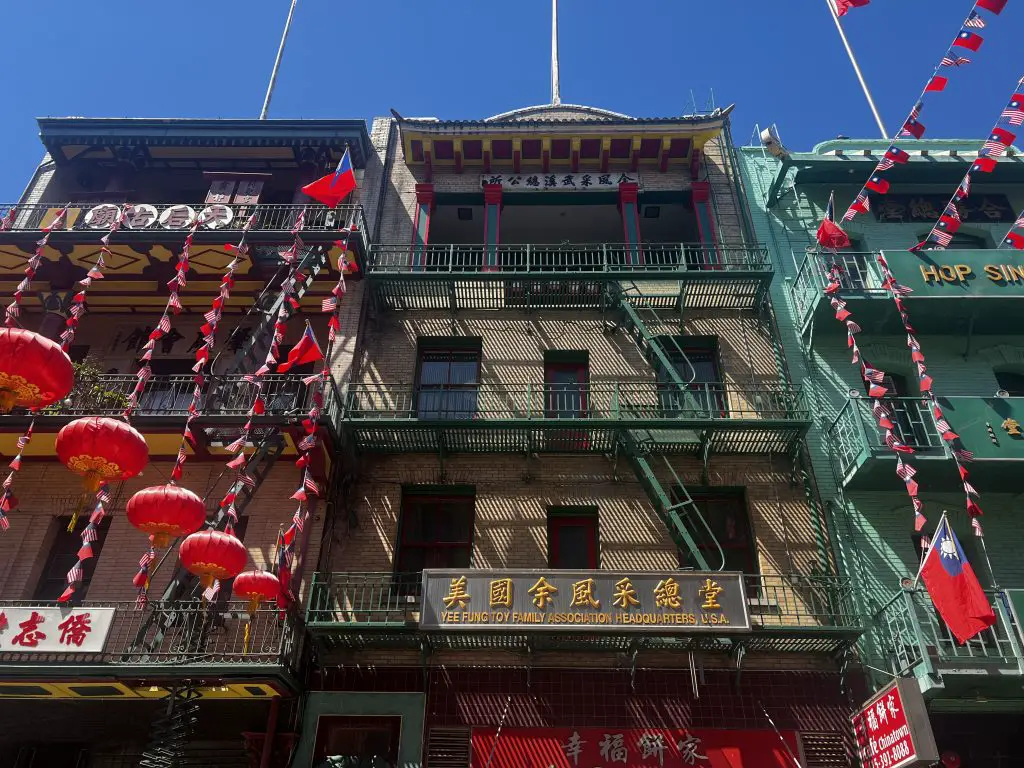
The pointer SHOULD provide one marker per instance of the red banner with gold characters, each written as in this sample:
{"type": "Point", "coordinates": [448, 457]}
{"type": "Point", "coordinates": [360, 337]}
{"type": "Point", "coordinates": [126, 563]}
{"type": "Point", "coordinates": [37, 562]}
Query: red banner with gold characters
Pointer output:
{"type": "Point", "coordinates": [634, 748]}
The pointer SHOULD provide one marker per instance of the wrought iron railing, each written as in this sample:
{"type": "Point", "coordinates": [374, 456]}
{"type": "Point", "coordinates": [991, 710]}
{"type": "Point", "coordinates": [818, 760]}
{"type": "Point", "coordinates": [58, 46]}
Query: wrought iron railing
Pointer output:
{"type": "Point", "coordinates": [859, 275]}
{"type": "Point", "coordinates": [549, 404]}
{"type": "Point", "coordinates": [855, 434]}
{"type": "Point", "coordinates": [776, 603]}
{"type": "Point", "coordinates": [907, 632]}
{"type": "Point", "coordinates": [195, 634]}
{"type": "Point", "coordinates": [591, 258]}
{"type": "Point", "coordinates": [269, 217]}
{"type": "Point", "coordinates": [107, 394]}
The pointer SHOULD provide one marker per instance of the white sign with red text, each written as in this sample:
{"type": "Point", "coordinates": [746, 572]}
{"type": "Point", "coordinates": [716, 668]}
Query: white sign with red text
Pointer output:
{"type": "Point", "coordinates": [54, 630]}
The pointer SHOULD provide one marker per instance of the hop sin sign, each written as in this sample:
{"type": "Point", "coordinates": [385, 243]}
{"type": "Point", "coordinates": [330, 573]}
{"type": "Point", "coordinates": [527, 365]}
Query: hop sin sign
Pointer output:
{"type": "Point", "coordinates": [892, 728]}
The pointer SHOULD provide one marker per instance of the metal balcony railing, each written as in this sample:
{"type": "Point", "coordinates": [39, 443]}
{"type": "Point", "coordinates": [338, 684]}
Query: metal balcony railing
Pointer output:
{"type": "Point", "coordinates": [907, 632]}
{"type": "Point", "coordinates": [197, 635]}
{"type": "Point", "coordinates": [778, 604]}
{"type": "Point", "coordinates": [860, 275]}
{"type": "Point", "coordinates": [107, 395]}
{"type": "Point", "coordinates": [272, 217]}
{"type": "Point", "coordinates": [593, 259]}
{"type": "Point", "coordinates": [647, 402]}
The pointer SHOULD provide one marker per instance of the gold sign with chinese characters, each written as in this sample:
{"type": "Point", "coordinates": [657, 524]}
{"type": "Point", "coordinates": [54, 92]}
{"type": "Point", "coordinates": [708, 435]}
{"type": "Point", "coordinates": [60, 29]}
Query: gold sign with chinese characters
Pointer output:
{"type": "Point", "coordinates": [591, 601]}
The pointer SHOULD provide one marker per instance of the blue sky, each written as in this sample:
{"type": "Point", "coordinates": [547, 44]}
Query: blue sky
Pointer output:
{"type": "Point", "coordinates": [779, 62]}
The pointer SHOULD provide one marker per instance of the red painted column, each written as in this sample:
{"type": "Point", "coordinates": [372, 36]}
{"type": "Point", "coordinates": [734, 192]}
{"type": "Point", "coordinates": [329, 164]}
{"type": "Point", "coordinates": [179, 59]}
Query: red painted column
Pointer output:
{"type": "Point", "coordinates": [492, 226]}
{"type": "Point", "coordinates": [705, 225]}
{"type": "Point", "coordinates": [421, 226]}
{"type": "Point", "coordinates": [628, 208]}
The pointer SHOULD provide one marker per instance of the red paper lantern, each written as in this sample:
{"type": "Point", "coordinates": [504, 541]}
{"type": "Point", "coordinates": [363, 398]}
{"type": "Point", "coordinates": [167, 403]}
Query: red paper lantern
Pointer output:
{"type": "Point", "coordinates": [256, 586]}
{"type": "Point", "coordinates": [166, 512]}
{"type": "Point", "coordinates": [101, 449]}
{"type": "Point", "coordinates": [213, 555]}
{"type": "Point", "coordinates": [34, 371]}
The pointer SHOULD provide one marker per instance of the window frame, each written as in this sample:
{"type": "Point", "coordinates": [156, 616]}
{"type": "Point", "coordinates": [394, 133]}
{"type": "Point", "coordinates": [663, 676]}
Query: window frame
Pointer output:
{"type": "Point", "coordinates": [433, 498]}
{"type": "Point", "coordinates": [450, 346]}
{"type": "Point", "coordinates": [737, 496]}
{"type": "Point", "coordinates": [710, 396]}
{"type": "Point", "coordinates": [561, 516]}
{"type": "Point", "coordinates": [60, 536]}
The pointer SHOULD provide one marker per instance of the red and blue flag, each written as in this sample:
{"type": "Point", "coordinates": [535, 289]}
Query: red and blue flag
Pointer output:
{"type": "Point", "coordinates": [969, 40]}
{"type": "Point", "coordinates": [334, 187]}
{"type": "Point", "coordinates": [307, 350]}
{"type": "Point", "coordinates": [953, 587]}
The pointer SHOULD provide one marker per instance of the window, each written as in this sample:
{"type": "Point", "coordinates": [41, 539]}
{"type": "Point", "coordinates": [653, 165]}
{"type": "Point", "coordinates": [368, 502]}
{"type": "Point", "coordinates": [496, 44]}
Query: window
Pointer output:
{"type": "Point", "coordinates": [170, 390]}
{"type": "Point", "coordinates": [1011, 383]}
{"type": "Point", "coordinates": [572, 538]}
{"type": "Point", "coordinates": [857, 270]}
{"type": "Point", "coordinates": [695, 360]}
{"type": "Point", "coordinates": [728, 524]}
{"type": "Point", "coordinates": [435, 530]}
{"type": "Point", "coordinates": [447, 379]}
{"type": "Point", "coordinates": [912, 422]}
{"type": "Point", "coordinates": [63, 555]}
{"type": "Point", "coordinates": [566, 378]}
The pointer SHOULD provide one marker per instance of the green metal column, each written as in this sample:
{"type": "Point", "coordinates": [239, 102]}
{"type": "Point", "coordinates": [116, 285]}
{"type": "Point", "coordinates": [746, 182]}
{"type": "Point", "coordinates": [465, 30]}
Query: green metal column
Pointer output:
{"type": "Point", "coordinates": [628, 193]}
{"type": "Point", "coordinates": [421, 225]}
{"type": "Point", "coordinates": [492, 226]}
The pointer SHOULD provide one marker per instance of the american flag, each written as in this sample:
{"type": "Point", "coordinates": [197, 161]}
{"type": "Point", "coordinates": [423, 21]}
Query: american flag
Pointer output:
{"type": "Point", "coordinates": [975, 21]}
{"type": "Point", "coordinates": [952, 60]}
{"type": "Point", "coordinates": [963, 455]}
{"type": "Point", "coordinates": [310, 484]}
{"type": "Point", "coordinates": [964, 189]}
{"type": "Point", "coordinates": [904, 471]}
{"type": "Point", "coordinates": [873, 375]}
{"type": "Point", "coordinates": [4, 522]}
{"type": "Point", "coordinates": [993, 148]}
{"type": "Point", "coordinates": [1018, 223]}
{"type": "Point", "coordinates": [1014, 112]}
{"type": "Point", "coordinates": [940, 237]}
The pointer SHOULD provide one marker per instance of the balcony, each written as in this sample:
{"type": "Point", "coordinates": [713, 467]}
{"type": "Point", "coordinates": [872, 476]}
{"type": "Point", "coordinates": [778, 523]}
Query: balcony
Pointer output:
{"type": "Point", "coordinates": [565, 276]}
{"type": "Point", "coordinates": [225, 402]}
{"type": "Point", "coordinates": [537, 418]}
{"type": "Point", "coordinates": [199, 641]}
{"type": "Point", "coordinates": [907, 636]}
{"type": "Point", "coordinates": [986, 426]}
{"type": "Point", "coordinates": [967, 291]}
{"type": "Point", "coordinates": [273, 223]}
{"type": "Point", "coordinates": [789, 613]}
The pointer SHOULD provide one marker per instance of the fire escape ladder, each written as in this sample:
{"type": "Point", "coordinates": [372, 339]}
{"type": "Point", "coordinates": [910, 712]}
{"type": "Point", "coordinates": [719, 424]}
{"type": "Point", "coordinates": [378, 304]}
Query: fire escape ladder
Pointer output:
{"type": "Point", "coordinates": [253, 352]}
{"type": "Point", "coordinates": [172, 727]}
{"type": "Point", "coordinates": [676, 507]}
{"type": "Point", "coordinates": [657, 350]}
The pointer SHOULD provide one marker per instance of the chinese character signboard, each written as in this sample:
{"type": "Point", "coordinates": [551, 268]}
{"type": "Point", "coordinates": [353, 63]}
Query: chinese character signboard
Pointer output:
{"type": "Point", "coordinates": [926, 209]}
{"type": "Point", "coordinates": [560, 182]}
{"type": "Point", "coordinates": [633, 748]}
{"type": "Point", "coordinates": [54, 630]}
{"type": "Point", "coordinates": [892, 728]}
{"type": "Point", "coordinates": [595, 601]}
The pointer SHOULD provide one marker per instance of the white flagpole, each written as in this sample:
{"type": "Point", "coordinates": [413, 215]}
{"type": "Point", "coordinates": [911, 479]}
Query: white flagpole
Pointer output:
{"type": "Point", "coordinates": [928, 554]}
{"type": "Point", "coordinates": [556, 95]}
{"type": "Point", "coordinates": [277, 62]}
{"type": "Point", "coordinates": [856, 68]}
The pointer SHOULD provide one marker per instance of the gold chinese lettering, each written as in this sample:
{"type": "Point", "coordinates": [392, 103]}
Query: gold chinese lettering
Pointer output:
{"type": "Point", "coordinates": [457, 593]}
{"type": "Point", "coordinates": [501, 593]}
{"type": "Point", "coordinates": [666, 594]}
{"type": "Point", "coordinates": [583, 594]}
{"type": "Point", "coordinates": [542, 592]}
{"type": "Point", "coordinates": [711, 591]}
{"type": "Point", "coordinates": [1012, 427]}
{"type": "Point", "coordinates": [624, 595]}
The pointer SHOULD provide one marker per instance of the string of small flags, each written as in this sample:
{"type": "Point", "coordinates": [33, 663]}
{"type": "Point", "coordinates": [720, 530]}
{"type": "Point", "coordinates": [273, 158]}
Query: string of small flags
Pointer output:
{"type": "Point", "coordinates": [1014, 237]}
{"type": "Point", "coordinates": [289, 304]}
{"type": "Point", "coordinates": [32, 266]}
{"type": "Point", "coordinates": [89, 534]}
{"type": "Point", "coordinates": [960, 455]}
{"type": "Point", "coordinates": [966, 40]}
{"type": "Point", "coordinates": [994, 147]}
{"type": "Point", "coordinates": [7, 222]}
{"type": "Point", "coordinates": [8, 501]}
{"type": "Point", "coordinates": [95, 273]}
{"type": "Point", "coordinates": [209, 331]}
{"type": "Point", "coordinates": [874, 378]}
{"type": "Point", "coordinates": [317, 383]}
{"type": "Point", "coordinates": [163, 327]}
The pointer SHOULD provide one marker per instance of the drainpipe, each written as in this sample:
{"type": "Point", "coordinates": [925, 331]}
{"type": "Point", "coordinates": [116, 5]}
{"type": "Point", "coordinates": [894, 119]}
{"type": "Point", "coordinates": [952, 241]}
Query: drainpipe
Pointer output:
{"type": "Point", "coordinates": [268, 740]}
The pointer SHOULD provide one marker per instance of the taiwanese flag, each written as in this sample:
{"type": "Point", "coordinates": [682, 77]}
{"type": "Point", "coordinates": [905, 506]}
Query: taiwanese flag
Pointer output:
{"type": "Point", "coordinates": [829, 234]}
{"type": "Point", "coordinates": [968, 40]}
{"type": "Point", "coordinates": [995, 6]}
{"type": "Point", "coordinates": [334, 187]}
{"type": "Point", "coordinates": [912, 128]}
{"type": "Point", "coordinates": [877, 184]}
{"type": "Point", "coordinates": [937, 83]}
{"type": "Point", "coordinates": [954, 588]}
{"type": "Point", "coordinates": [843, 6]}
{"type": "Point", "coordinates": [897, 155]}
{"type": "Point", "coordinates": [306, 351]}
{"type": "Point", "coordinates": [984, 165]}
{"type": "Point", "coordinates": [1015, 240]}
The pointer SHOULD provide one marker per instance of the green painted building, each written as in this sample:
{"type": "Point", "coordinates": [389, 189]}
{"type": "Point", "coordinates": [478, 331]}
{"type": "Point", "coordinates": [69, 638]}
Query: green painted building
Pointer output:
{"type": "Point", "coordinates": [967, 309]}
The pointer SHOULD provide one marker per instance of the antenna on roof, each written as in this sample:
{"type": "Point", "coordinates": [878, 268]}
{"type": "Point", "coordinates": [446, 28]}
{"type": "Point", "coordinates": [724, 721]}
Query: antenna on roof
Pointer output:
{"type": "Point", "coordinates": [556, 97]}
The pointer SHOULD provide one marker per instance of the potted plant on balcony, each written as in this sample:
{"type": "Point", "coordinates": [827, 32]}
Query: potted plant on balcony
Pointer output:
{"type": "Point", "coordinates": [93, 391]}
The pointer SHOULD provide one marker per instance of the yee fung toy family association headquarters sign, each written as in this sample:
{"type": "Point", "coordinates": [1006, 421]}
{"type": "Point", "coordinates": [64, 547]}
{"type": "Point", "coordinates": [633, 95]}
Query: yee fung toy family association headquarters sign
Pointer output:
{"type": "Point", "coordinates": [598, 601]}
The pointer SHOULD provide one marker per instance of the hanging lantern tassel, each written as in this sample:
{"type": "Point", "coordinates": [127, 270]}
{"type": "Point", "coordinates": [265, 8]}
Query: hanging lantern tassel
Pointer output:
{"type": "Point", "coordinates": [255, 587]}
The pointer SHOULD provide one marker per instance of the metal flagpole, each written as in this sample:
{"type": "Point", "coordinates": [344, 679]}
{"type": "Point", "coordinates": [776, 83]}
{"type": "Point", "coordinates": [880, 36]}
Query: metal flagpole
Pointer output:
{"type": "Point", "coordinates": [277, 62]}
{"type": "Point", "coordinates": [556, 96]}
{"type": "Point", "coordinates": [856, 68]}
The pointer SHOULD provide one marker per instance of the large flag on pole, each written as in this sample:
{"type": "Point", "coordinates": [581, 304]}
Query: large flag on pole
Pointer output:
{"type": "Point", "coordinates": [829, 234]}
{"type": "Point", "coordinates": [334, 187]}
{"type": "Point", "coordinates": [953, 587]}
{"type": "Point", "coordinates": [843, 6]}
{"type": "Point", "coordinates": [307, 350]}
